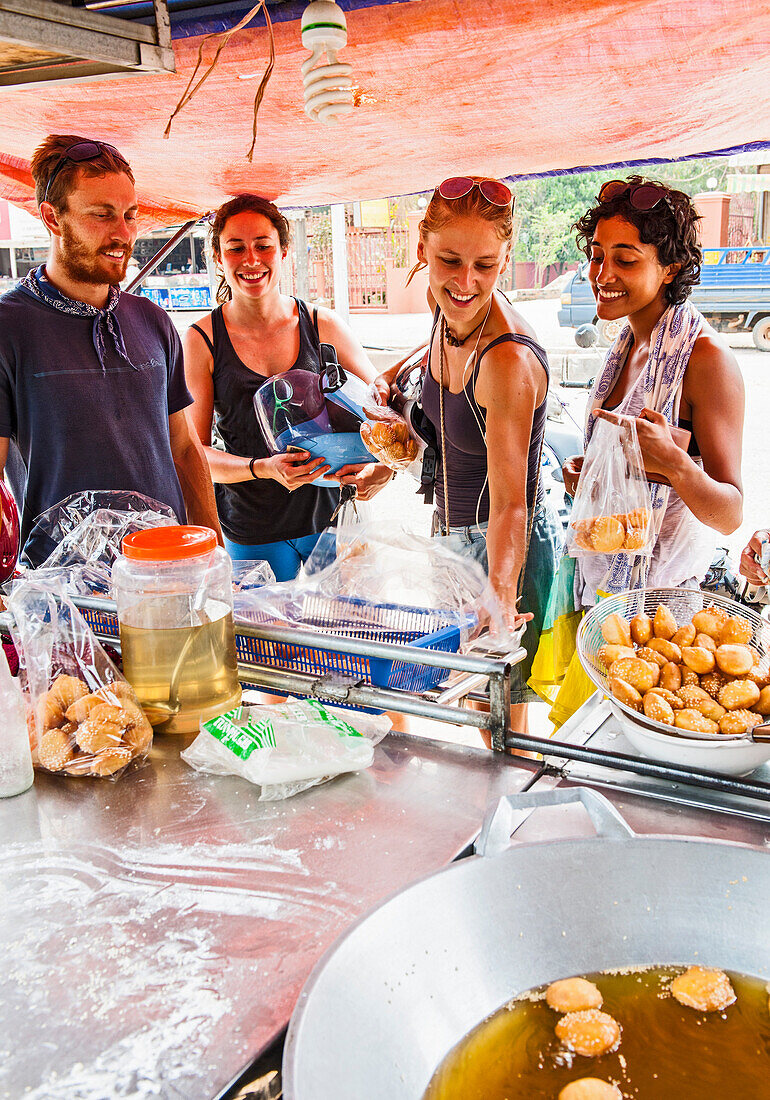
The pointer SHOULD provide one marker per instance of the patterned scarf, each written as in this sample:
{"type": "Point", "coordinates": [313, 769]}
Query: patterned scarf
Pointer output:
{"type": "Point", "coordinates": [671, 345]}
{"type": "Point", "coordinates": [105, 322]}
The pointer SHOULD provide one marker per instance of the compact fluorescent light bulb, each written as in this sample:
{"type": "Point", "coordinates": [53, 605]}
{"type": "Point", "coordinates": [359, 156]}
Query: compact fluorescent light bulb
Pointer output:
{"type": "Point", "coordinates": [328, 89]}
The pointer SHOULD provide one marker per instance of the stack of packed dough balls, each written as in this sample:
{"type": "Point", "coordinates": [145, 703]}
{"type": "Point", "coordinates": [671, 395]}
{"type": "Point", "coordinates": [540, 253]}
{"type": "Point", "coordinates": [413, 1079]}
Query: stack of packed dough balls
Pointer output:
{"type": "Point", "coordinates": [704, 676]}
{"type": "Point", "coordinates": [90, 733]}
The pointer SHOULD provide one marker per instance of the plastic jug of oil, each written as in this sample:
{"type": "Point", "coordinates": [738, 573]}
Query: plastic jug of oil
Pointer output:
{"type": "Point", "coordinates": [173, 590]}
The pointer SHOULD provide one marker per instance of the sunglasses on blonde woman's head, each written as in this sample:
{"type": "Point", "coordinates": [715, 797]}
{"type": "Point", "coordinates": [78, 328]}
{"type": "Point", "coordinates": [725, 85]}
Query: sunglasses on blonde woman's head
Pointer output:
{"type": "Point", "coordinates": [494, 191]}
{"type": "Point", "coordinates": [642, 196]}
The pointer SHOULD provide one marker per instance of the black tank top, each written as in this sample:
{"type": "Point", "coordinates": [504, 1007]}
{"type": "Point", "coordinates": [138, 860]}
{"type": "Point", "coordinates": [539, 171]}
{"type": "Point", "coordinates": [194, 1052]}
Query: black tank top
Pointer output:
{"type": "Point", "coordinates": [260, 510]}
{"type": "Point", "coordinates": [466, 451]}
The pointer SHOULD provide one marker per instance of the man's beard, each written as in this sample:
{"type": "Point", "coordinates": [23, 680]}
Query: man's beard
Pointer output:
{"type": "Point", "coordinates": [82, 263]}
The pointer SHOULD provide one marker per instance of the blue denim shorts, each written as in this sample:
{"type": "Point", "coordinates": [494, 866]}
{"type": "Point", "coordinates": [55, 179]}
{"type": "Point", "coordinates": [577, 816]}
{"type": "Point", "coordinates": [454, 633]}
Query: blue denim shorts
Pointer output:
{"type": "Point", "coordinates": [545, 548]}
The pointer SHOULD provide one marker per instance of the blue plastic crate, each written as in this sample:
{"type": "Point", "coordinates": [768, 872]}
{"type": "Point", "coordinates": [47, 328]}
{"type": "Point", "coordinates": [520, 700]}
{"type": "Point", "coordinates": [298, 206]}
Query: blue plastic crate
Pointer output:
{"type": "Point", "coordinates": [348, 618]}
{"type": "Point", "coordinates": [359, 619]}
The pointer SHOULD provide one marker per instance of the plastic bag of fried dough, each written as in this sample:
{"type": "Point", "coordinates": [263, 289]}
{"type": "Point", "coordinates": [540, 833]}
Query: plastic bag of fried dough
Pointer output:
{"type": "Point", "coordinates": [386, 435]}
{"type": "Point", "coordinates": [84, 718]}
{"type": "Point", "coordinates": [612, 510]}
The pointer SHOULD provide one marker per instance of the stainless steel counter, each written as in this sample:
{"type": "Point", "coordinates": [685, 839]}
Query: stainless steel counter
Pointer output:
{"type": "Point", "coordinates": [156, 931]}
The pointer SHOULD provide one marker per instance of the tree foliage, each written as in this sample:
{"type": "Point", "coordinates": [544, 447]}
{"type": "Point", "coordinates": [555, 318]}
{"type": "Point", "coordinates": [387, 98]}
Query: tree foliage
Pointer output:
{"type": "Point", "coordinates": [546, 209]}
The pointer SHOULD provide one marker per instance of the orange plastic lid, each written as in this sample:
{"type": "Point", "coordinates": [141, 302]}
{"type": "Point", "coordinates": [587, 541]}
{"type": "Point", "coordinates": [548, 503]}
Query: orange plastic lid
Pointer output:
{"type": "Point", "coordinates": [169, 543]}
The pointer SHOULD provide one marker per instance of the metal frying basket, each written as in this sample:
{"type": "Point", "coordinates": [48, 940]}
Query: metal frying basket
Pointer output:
{"type": "Point", "coordinates": [683, 603]}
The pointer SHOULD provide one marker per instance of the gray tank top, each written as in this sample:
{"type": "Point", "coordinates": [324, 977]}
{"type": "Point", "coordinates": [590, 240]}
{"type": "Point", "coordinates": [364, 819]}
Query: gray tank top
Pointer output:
{"type": "Point", "coordinates": [466, 451]}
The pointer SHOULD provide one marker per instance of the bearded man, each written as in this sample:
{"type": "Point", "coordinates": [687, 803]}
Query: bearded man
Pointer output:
{"type": "Point", "coordinates": [92, 390]}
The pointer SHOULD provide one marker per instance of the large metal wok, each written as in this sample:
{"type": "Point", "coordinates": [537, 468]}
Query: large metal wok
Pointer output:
{"type": "Point", "coordinates": [407, 982]}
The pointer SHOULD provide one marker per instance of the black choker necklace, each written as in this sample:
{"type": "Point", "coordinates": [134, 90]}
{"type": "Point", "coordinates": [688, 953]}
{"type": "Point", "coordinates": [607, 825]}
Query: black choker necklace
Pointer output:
{"type": "Point", "coordinates": [452, 340]}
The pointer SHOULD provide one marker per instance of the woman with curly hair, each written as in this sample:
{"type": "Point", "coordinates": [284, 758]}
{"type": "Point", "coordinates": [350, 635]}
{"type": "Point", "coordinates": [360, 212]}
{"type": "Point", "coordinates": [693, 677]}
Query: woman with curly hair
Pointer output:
{"type": "Point", "coordinates": [666, 368]}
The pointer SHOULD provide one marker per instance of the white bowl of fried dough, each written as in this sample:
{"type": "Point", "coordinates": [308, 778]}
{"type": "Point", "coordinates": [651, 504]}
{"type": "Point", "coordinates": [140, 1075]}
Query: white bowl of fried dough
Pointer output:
{"type": "Point", "coordinates": [682, 668]}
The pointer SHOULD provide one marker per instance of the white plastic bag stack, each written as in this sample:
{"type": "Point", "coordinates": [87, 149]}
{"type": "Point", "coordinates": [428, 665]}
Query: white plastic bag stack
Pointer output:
{"type": "Point", "coordinates": [286, 748]}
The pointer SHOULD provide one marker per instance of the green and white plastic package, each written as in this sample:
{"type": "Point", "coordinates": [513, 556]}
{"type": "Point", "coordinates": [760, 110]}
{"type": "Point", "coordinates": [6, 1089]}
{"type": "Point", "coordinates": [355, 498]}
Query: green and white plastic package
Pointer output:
{"type": "Point", "coordinates": [286, 748]}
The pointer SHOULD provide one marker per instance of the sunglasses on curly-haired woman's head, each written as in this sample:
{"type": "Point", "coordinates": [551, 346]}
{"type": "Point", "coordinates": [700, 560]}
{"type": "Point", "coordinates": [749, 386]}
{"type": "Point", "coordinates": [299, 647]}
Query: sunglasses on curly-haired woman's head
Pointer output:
{"type": "Point", "coordinates": [494, 191]}
{"type": "Point", "coordinates": [642, 196]}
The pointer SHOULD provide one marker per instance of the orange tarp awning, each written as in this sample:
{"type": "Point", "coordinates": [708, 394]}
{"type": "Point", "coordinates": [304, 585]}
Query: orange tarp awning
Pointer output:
{"type": "Point", "coordinates": [442, 87]}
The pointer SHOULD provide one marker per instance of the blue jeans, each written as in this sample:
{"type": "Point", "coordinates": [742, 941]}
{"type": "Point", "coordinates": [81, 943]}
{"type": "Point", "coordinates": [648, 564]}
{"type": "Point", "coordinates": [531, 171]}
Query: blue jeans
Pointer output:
{"type": "Point", "coordinates": [542, 562]}
{"type": "Point", "coordinates": [285, 558]}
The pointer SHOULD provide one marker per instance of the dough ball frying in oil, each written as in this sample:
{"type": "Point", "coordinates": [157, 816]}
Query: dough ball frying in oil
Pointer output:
{"type": "Point", "coordinates": [573, 995]}
{"type": "Point", "coordinates": [590, 1088]}
{"type": "Point", "coordinates": [703, 989]}
{"type": "Point", "coordinates": [591, 1033]}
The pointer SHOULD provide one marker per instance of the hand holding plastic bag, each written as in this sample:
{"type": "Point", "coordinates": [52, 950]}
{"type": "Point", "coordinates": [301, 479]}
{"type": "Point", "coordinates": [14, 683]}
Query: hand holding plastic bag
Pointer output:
{"type": "Point", "coordinates": [386, 435]}
{"type": "Point", "coordinates": [287, 748]}
{"type": "Point", "coordinates": [612, 511]}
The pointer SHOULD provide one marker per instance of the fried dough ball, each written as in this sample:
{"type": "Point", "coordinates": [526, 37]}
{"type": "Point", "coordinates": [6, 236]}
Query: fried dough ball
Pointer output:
{"type": "Point", "coordinates": [138, 733]}
{"type": "Point", "coordinates": [640, 517]}
{"type": "Point", "coordinates": [734, 660]}
{"type": "Point", "coordinates": [616, 631]}
{"type": "Point", "coordinates": [690, 719]}
{"type": "Point", "coordinates": [736, 631]}
{"type": "Point", "coordinates": [639, 674]}
{"type": "Point", "coordinates": [50, 714]}
{"type": "Point", "coordinates": [698, 659]}
{"type": "Point", "coordinates": [641, 629]}
{"type": "Point", "coordinates": [760, 675]}
{"type": "Point", "coordinates": [66, 689]}
{"type": "Point", "coordinates": [688, 676]}
{"type": "Point", "coordinates": [671, 677]}
{"type": "Point", "coordinates": [111, 761]}
{"type": "Point", "coordinates": [607, 535]}
{"type": "Point", "coordinates": [590, 1033]}
{"type": "Point", "coordinates": [664, 623]}
{"type": "Point", "coordinates": [610, 653]}
{"type": "Point", "coordinates": [708, 622]}
{"type": "Point", "coordinates": [685, 635]}
{"type": "Point", "coordinates": [573, 995]}
{"type": "Point", "coordinates": [651, 655]}
{"type": "Point", "coordinates": [698, 699]}
{"type": "Point", "coordinates": [82, 707]}
{"type": "Point", "coordinates": [590, 1088]}
{"type": "Point", "coordinates": [713, 682]}
{"type": "Point", "coordinates": [671, 697]}
{"type": "Point", "coordinates": [667, 649]}
{"type": "Point", "coordinates": [102, 730]}
{"type": "Point", "coordinates": [762, 705]}
{"type": "Point", "coordinates": [56, 749]}
{"type": "Point", "coordinates": [703, 989]}
{"type": "Point", "coordinates": [705, 641]}
{"type": "Point", "coordinates": [656, 707]}
{"type": "Point", "coordinates": [635, 539]}
{"type": "Point", "coordinates": [584, 542]}
{"type": "Point", "coordinates": [738, 721]}
{"type": "Point", "coordinates": [739, 694]}
{"type": "Point", "coordinates": [117, 692]}
{"type": "Point", "coordinates": [625, 693]}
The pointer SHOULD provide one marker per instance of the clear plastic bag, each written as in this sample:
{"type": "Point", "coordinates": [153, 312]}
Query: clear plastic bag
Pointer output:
{"type": "Point", "coordinates": [252, 573]}
{"type": "Point", "coordinates": [84, 717]}
{"type": "Point", "coordinates": [612, 511]}
{"type": "Point", "coordinates": [89, 527]}
{"type": "Point", "coordinates": [286, 748]}
{"type": "Point", "coordinates": [376, 567]}
{"type": "Point", "coordinates": [387, 435]}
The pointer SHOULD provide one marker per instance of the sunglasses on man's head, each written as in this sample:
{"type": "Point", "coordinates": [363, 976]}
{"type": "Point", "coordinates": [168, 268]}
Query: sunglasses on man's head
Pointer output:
{"type": "Point", "coordinates": [78, 153]}
{"type": "Point", "coordinates": [642, 196]}
{"type": "Point", "coordinates": [494, 191]}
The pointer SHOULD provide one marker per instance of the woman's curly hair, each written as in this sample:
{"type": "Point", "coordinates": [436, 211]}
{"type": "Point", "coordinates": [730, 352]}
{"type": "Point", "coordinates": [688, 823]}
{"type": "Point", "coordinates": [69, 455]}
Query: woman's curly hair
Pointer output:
{"type": "Point", "coordinates": [671, 226]}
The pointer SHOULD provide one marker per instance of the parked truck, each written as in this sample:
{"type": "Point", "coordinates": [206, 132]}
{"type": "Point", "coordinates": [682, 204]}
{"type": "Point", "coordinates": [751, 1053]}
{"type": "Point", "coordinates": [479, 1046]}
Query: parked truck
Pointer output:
{"type": "Point", "coordinates": [733, 294]}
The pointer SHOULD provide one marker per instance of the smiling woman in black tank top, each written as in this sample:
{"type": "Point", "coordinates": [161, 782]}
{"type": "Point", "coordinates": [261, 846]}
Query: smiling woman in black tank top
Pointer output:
{"type": "Point", "coordinates": [268, 506]}
{"type": "Point", "coordinates": [485, 392]}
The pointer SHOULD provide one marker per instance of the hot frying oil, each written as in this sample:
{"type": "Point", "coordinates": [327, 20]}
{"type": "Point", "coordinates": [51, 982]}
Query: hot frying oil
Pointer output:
{"type": "Point", "coordinates": [182, 673]}
{"type": "Point", "coordinates": [667, 1051]}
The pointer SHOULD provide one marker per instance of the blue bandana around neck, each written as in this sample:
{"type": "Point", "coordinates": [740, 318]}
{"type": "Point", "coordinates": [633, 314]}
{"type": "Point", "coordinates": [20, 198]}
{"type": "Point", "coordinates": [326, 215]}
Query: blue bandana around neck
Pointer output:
{"type": "Point", "coordinates": [105, 321]}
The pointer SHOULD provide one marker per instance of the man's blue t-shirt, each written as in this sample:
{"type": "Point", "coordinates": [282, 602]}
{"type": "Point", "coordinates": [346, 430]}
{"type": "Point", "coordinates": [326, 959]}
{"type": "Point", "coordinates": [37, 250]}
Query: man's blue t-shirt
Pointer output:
{"type": "Point", "coordinates": [74, 425]}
